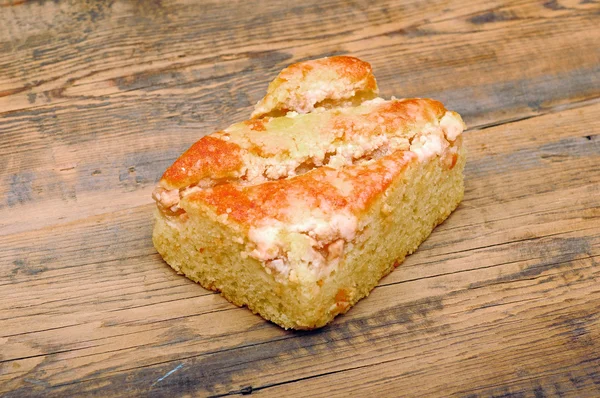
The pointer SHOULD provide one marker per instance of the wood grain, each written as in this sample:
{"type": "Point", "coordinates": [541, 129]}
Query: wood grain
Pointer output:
{"type": "Point", "coordinates": [97, 98]}
{"type": "Point", "coordinates": [160, 92]}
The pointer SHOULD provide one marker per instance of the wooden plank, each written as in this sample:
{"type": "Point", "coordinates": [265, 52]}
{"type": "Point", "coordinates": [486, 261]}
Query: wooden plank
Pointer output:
{"type": "Point", "coordinates": [114, 51]}
{"type": "Point", "coordinates": [98, 98]}
{"type": "Point", "coordinates": [501, 299]}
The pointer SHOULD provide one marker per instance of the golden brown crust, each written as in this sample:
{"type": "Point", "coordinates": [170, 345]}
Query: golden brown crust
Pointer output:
{"type": "Point", "coordinates": [305, 85]}
{"type": "Point", "coordinates": [209, 158]}
{"type": "Point", "coordinates": [227, 156]}
{"type": "Point", "coordinates": [324, 189]}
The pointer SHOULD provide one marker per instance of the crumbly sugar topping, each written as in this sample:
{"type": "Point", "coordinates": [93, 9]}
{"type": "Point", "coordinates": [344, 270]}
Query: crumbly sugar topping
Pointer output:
{"type": "Point", "coordinates": [297, 181]}
{"type": "Point", "coordinates": [302, 214]}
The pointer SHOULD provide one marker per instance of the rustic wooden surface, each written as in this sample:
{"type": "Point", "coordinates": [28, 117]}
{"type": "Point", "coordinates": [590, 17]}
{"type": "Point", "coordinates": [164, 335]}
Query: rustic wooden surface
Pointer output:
{"type": "Point", "coordinates": [97, 98]}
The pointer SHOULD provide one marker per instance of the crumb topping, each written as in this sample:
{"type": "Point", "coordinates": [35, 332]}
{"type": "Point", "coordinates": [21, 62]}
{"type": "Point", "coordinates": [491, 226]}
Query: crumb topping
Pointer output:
{"type": "Point", "coordinates": [296, 182]}
{"type": "Point", "coordinates": [304, 214]}
{"type": "Point", "coordinates": [327, 82]}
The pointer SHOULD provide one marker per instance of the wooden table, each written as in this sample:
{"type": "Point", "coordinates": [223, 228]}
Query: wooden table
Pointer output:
{"type": "Point", "coordinates": [97, 98]}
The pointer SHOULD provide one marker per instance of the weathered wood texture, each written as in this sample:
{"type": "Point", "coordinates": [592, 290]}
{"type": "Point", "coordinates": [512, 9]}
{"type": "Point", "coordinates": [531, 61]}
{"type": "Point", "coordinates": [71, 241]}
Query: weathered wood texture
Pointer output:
{"type": "Point", "coordinates": [98, 97]}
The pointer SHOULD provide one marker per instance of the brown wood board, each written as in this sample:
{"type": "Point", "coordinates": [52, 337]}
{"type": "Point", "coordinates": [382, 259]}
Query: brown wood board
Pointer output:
{"type": "Point", "coordinates": [97, 98]}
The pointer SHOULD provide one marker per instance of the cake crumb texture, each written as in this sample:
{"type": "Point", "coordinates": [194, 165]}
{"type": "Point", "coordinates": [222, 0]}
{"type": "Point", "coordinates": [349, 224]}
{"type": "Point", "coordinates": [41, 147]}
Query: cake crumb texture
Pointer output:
{"type": "Point", "coordinates": [298, 215]}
